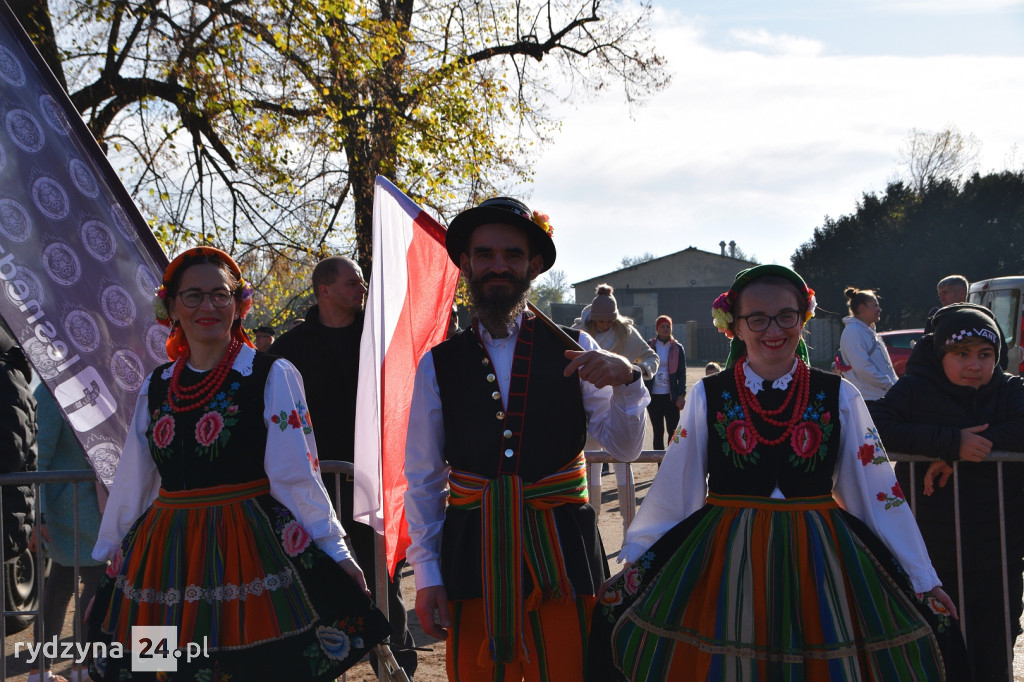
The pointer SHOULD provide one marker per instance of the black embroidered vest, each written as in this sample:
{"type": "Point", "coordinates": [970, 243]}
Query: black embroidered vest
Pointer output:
{"type": "Point", "coordinates": [222, 442]}
{"type": "Point", "coordinates": [800, 466]}
{"type": "Point", "coordinates": [547, 427]}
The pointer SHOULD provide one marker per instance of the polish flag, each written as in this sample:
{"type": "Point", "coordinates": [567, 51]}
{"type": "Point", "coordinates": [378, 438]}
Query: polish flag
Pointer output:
{"type": "Point", "coordinates": [407, 311]}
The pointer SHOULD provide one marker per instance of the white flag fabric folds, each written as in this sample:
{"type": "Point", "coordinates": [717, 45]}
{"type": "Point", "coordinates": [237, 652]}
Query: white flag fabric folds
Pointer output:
{"type": "Point", "coordinates": [407, 311]}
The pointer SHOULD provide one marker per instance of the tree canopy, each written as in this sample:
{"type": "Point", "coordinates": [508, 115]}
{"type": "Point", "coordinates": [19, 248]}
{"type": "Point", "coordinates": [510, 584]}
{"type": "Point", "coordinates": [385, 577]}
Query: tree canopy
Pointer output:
{"type": "Point", "coordinates": [260, 127]}
{"type": "Point", "coordinates": [903, 242]}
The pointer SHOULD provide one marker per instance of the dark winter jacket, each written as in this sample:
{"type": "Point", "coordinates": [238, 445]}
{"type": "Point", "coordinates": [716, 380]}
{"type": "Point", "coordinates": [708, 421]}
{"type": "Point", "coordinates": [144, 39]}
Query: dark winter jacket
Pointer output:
{"type": "Point", "coordinates": [676, 368]}
{"type": "Point", "coordinates": [923, 415]}
{"type": "Point", "coordinates": [17, 443]}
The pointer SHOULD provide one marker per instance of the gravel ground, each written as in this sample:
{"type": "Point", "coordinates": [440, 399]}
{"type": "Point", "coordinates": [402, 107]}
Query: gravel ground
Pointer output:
{"type": "Point", "coordinates": [431, 663]}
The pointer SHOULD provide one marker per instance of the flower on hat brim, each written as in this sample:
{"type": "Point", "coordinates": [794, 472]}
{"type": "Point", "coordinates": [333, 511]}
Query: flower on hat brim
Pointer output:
{"type": "Point", "coordinates": [543, 220]}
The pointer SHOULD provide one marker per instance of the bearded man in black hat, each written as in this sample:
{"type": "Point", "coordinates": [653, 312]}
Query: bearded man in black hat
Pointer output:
{"type": "Point", "coordinates": [507, 563]}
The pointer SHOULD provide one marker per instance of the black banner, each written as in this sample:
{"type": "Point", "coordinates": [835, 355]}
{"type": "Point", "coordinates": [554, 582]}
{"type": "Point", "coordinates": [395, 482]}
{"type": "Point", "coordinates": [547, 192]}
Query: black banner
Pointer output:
{"type": "Point", "coordinates": [78, 264]}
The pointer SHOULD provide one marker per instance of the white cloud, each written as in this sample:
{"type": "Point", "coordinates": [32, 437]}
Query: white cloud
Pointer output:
{"type": "Point", "coordinates": [756, 146]}
{"type": "Point", "coordinates": [776, 43]}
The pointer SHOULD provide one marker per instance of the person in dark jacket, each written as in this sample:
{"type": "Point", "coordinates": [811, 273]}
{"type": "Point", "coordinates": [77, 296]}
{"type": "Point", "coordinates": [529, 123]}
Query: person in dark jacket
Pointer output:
{"type": "Point", "coordinates": [17, 442]}
{"type": "Point", "coordinates": [668, 386]}
{"type": "Point", "coordinates": [955, 404]}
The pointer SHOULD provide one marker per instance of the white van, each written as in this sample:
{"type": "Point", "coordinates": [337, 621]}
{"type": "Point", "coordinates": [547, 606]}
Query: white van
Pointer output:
{"type": "Point", "coordinates": [1004, 296]}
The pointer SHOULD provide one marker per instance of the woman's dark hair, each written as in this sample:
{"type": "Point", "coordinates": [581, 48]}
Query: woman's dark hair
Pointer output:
{"type": "Point", "coordinates": [855, 298]}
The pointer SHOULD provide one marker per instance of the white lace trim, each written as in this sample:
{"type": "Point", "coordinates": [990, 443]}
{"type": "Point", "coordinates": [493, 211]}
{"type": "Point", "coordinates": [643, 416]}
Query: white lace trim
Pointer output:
{"type": "Point", "coordinates": [228, 592]}
{"type": "Point", "coordinates": [756, 383]}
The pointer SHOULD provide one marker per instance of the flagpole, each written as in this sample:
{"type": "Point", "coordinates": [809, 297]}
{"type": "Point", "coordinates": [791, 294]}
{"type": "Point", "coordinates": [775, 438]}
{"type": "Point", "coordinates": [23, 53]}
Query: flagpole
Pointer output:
{"type": "Point", "coordinates": [559, 332]}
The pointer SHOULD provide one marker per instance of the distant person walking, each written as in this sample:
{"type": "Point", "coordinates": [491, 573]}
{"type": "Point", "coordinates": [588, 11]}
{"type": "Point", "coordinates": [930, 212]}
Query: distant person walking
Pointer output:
{"type": "Point", "coordinates": [871, 370]}
{"type": "Point", "coordinates": [668, 387]}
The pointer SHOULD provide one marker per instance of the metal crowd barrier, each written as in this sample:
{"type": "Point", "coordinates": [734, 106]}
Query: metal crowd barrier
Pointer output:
{"type": "Point", "coordinates": [388, 669]}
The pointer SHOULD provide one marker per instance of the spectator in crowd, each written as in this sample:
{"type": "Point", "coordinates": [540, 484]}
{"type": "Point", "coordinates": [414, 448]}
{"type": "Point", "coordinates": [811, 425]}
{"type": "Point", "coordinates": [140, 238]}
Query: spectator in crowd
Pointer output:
{"type": "Point", "coordinates": [952, 289]}
{"type": "Point", "coordinates": [17, 443]}
{"type": "Point", "coordinates": [617, 334]}
{"type": "Point", "coordinates": [955, 404]}
{"type": "Point", "coordinates": [774, 543]}
{"type": "Point", "coordinates": [870, 368]}
{"type": "Point", "coordinates": [712, 368]}
{"type": "Point", "coordinates": [59, 450]}
{"type": "Point", "coordinates": [217, 521]}
{"type": "Point", "coordinates": [325, 350]}
{"type": "Point", "coordinates": [507, 564]}
{"type": "Point", "coordinates": [263, 338]}
{"type": "Point", "coordinates": [668, 386]}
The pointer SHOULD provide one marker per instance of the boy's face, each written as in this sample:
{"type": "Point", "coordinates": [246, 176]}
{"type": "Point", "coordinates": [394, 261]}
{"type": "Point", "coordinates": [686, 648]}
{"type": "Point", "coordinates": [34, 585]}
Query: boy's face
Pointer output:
{"type": "Point", "coordinates": [971, 366]}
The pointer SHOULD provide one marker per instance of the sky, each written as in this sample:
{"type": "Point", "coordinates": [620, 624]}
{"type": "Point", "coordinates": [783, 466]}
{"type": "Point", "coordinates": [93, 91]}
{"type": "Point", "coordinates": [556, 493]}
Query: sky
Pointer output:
{"type": "Point", "coordinates": [779, 113]}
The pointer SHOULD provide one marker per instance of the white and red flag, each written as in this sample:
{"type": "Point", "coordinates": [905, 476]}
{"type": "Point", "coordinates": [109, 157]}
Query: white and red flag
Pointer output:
{"type": "Point", "coordinates": [407, 310]}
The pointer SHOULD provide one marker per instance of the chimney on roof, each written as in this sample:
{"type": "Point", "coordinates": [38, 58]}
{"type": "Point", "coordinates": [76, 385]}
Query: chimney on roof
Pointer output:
{"type": "Point", "coordinates": [722, 244]}
{"type": "Point", "coordinates": [732, 248]}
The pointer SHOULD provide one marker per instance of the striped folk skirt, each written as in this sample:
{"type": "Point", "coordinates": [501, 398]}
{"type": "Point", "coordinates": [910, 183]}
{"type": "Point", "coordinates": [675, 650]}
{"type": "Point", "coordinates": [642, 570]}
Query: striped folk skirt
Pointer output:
{"type": "Point", "coordinates": [760, 589]}
{"type": "Point", "coordinates": [233, 570]}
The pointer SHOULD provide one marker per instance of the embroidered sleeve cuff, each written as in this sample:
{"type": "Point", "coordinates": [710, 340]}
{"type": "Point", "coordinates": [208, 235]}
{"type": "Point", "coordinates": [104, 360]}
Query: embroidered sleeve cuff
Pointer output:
{"type": "Point", "coordinates": [630, 552]}
{"type": "Point", "coordinates": [924, 581]}
{"type": "Point", "coordinates": [334, 547]}
{"type": "Point", "coordinates": [427, 574]}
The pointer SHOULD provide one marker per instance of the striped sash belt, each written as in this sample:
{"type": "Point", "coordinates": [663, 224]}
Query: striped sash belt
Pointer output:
{"type": "Point", "coordinates": [517, 527]}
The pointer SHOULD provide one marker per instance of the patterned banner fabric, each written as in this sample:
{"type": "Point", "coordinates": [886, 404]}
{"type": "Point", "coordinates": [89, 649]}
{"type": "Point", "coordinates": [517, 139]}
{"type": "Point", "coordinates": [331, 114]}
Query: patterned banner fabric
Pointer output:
{"type": "Point", "coordinates": [78, 263]}
{"type": "Point", "coordinates": [518, 523]}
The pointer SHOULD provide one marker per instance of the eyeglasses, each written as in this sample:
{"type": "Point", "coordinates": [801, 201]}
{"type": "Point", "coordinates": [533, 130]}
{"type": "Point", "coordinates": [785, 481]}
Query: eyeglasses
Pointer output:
{"type": "Point", "coordinates": [787, 319]}
{"type": "Point", "coordinates": [193, 298]}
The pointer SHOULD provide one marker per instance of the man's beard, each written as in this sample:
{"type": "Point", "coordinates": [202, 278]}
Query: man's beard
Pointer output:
{"type": "Point", "coordinates": [497, 307]}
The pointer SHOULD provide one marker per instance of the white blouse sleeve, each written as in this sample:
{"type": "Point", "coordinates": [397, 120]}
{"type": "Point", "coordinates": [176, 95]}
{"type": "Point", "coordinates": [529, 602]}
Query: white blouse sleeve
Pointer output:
{"type": "Point", "coordinates": [680, 487]}
{"type": "Point", "coordinates": [135, 486]}
{"type": "Point", "coordinates": [291, 460]}
{"type": "Point", "coordinates": [864, 485]}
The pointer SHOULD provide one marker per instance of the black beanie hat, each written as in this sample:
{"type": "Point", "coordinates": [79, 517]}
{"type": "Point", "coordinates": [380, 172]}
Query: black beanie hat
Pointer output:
{"type": "Point", "coordinates": [961, 322]}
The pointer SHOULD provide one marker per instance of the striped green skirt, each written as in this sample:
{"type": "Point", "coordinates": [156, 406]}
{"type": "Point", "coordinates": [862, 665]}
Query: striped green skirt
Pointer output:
{"type": "Point", "coordinates": [761, 589]}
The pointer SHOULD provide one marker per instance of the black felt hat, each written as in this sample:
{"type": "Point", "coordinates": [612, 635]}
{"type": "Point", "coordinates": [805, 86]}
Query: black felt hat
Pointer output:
{"type": "Point", "coordinates": [504, 210]}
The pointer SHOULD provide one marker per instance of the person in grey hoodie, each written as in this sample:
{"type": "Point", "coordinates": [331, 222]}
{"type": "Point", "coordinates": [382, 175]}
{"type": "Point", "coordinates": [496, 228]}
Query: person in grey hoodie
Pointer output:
{"type": "Point", "coordinates": [871, 370]}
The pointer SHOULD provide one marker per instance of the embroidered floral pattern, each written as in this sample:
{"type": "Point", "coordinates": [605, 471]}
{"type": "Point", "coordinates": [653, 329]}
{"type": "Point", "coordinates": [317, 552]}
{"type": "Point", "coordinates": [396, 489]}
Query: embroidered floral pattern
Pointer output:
{"type": "Point", "coordinates": [629, 584]}
{"type": "Point", "coordinates": [737, 437]}
{"type": "Point", "coordinates": [334, 642]}
{"type": "Point", "coordinates": [942, 614]}
{"type": "Point", "coordinates": [314, 462]}
{"type": "Point", "coordinates": [809, 439]}
{"type": "Point", "coordinates": [296, 419]}
{"type": "Point", "coordinates": [212, 431]}
{"type": "Point", "coordinates": [294, 539]}
{"type": "Point", "coordinates": [209, 428]}
{"type": "Point", "coordinates": [893, 498]}
{"type": "Point", "coordinates": [680, 433]}
{"type": "Point", "coordinates": [194, 593]}
{"type": "Point", "coordinates": [114, 567]}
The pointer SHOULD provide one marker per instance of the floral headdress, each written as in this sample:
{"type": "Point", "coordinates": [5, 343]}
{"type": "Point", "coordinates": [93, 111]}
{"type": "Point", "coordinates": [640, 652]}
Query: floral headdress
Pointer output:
{"type": "Point", "coordinates": [544, 221]}
{"type": "Point", "coordinates": [722, 308]}
{"type": "Point", "coordinates": [176, 341]}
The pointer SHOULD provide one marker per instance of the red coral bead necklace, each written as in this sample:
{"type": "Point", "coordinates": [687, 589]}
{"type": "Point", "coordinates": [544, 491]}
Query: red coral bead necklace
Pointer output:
{"type": "Point", "coordinates": [800, 387]}
{"type": "Point", "coordinates": [188, 398]}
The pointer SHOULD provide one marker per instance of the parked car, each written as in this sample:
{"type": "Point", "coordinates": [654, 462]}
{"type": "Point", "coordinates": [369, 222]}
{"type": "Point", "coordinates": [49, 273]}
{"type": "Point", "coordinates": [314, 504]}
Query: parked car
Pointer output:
{"type": "Point", "coordinates": [1004, 296]}
{"type": "Point", "coordinates": [899, 343]}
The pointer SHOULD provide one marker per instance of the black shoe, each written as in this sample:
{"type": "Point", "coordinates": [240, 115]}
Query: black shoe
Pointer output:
{"type": "Point", "coordinates": [606, 468]}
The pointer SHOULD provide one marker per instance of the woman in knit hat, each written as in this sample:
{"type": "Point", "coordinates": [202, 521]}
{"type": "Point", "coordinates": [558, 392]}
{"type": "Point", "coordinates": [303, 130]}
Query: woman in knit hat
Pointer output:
{"type": "Point", "coordinates": [616, 333]}
{"type": "Point", "coordinates": [218, 523]}
{"type": "Point", "coordinates": [955, 404]}
{"type": "Point", "coordinates": [774, 543]}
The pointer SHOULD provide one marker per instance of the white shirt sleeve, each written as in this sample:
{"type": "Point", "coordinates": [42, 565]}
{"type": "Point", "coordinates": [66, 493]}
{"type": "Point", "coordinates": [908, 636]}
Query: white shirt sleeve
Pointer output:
{"type": "Point", "coordinates": [864, 485]}
{"type": "Point", "coordinates": [427, 475]}
{"type": "Point", "coordinates": [615, 415]}
{"type": "Point", "coordinates": [291, 460]}
{"type": "Point", "coordinates": [680, 488]}
{"type": "Point", "coordinates": [135, 485]}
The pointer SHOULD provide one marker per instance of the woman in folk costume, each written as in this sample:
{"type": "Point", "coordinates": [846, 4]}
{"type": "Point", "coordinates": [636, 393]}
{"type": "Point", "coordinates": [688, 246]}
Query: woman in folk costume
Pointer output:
{"type": "Point", "coordinates": [775, 543]}
{"type": "Point", "coordinates": [217, 521]}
